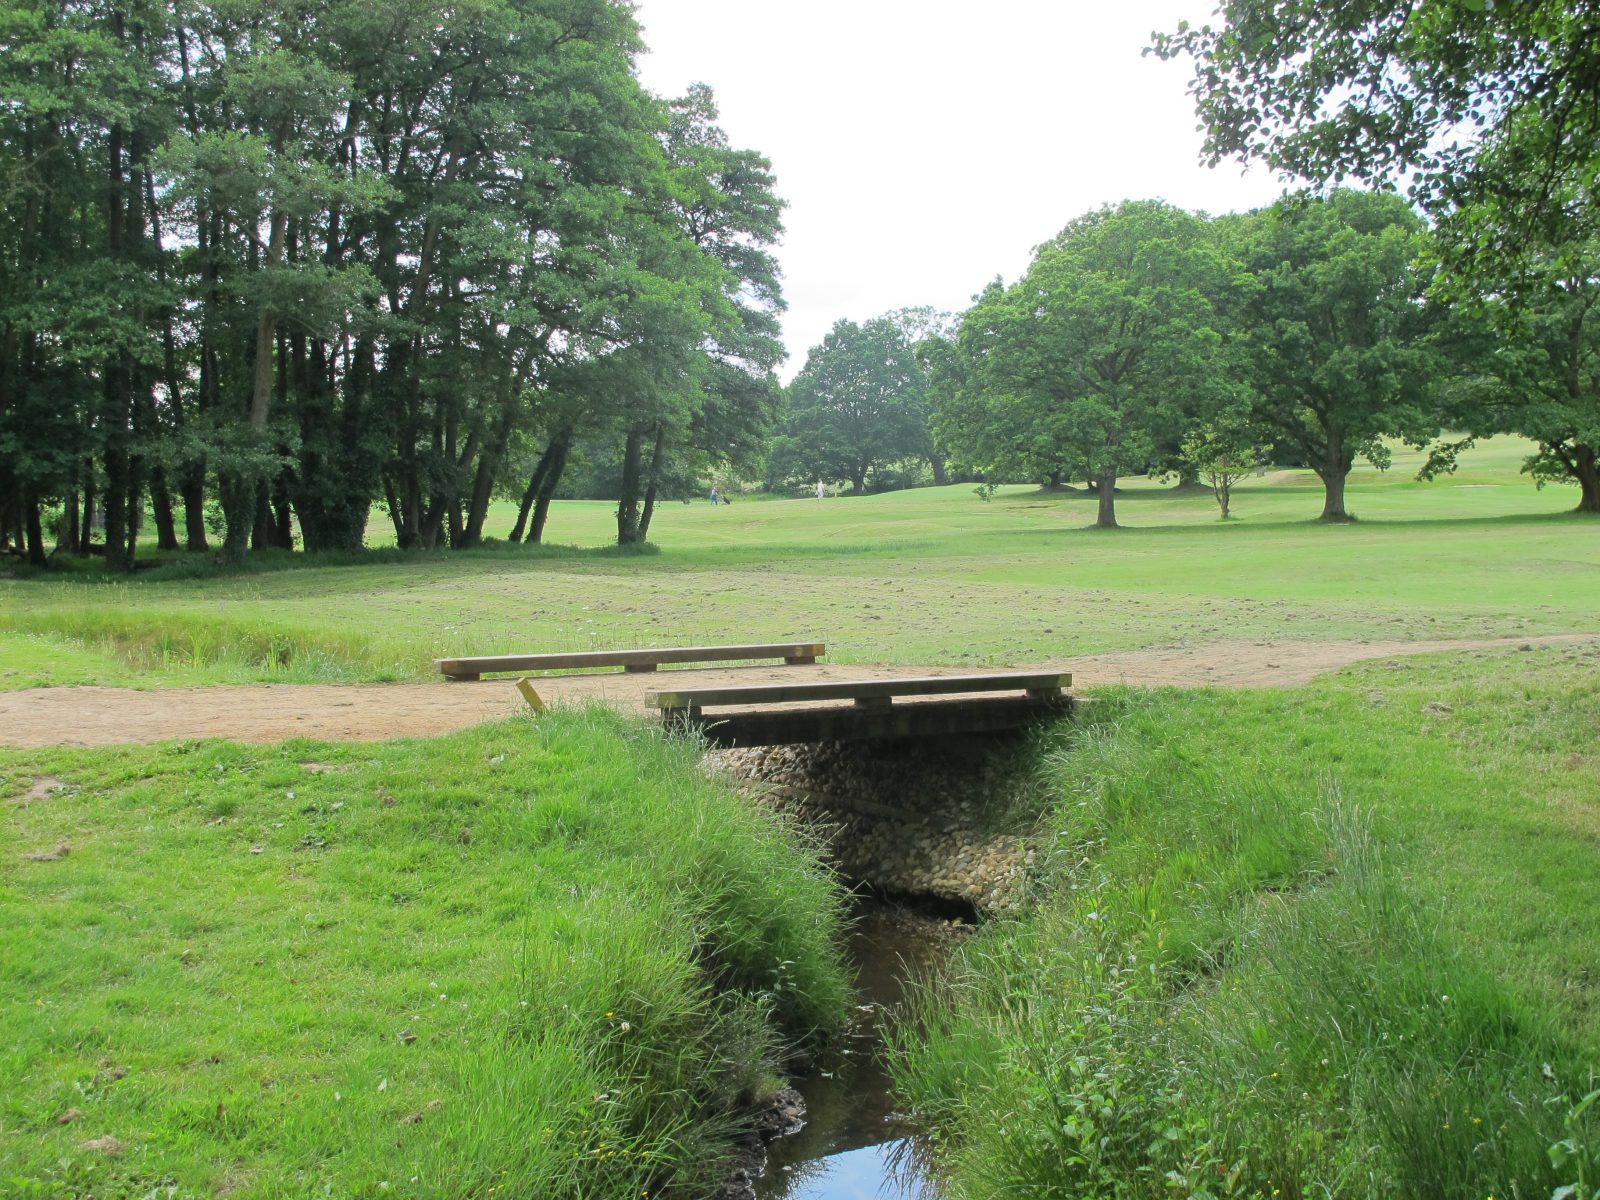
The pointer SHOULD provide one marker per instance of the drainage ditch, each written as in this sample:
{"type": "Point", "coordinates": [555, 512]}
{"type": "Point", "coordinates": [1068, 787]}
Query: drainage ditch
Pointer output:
{"type": "Point", "coordinates": [917, 828]}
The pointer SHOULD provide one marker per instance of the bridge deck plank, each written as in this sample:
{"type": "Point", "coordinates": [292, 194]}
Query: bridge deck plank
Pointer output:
{"type": "Point", "coordinates": [867, 691]}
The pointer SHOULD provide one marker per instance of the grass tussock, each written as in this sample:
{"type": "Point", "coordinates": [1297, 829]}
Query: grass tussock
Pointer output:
{"type": "Point", "coordinates": [545, 958]}
{"type": "Point", "coordinates": [1252, 976]}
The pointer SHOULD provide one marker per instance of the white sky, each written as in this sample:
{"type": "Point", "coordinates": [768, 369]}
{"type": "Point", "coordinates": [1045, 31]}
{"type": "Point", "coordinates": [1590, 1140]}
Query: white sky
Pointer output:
{"type": "Point", "coordinates": [925, 146]}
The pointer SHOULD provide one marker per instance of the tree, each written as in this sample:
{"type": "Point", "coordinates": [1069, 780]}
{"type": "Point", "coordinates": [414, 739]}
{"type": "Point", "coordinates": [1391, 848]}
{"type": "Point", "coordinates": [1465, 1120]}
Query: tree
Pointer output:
{"type": "Point", "coordinates": [1101, 350]}
{"type": "Point", "coordinates": [855, 407]}
{"type": "Point", "coordinates": [722, 200]}
{"type": "Point", "coordinates": [1333, 331]}
{"type": "Point", "coordinates": [1443, 97]}
{"type": "Point", "coordinates": [313, 255]}
{"type": "Point", "coordinates": [1221, 453]}
{"type": "Point", "coordinates": [1536, 371]}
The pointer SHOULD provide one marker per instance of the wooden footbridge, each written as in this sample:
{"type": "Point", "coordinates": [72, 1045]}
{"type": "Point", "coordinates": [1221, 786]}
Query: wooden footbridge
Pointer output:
{"type": "Point", "coordinates": [792, 703]}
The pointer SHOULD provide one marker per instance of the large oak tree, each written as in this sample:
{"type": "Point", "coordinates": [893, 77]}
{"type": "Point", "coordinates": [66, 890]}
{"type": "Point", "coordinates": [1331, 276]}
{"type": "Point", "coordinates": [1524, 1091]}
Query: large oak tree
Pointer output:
{"type": "Point", "coordinates": [1334, 330]}
{"type": "Point", "coordinates": [1100, 351]}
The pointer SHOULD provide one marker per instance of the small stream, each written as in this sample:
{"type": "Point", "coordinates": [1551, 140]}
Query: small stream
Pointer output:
{"type": "Point", "coordinates": [854, 1146]}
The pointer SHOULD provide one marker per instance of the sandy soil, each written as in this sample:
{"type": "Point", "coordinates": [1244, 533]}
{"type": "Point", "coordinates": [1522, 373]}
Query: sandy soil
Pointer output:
{"type": "Point", "coordinates": [99, 716]}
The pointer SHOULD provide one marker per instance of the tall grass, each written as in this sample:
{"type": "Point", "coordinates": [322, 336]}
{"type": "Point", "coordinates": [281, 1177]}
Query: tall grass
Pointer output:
{"type": "Point", "coordinates": [544, 958]}
{"type": "Point", "coordinates": [1232, 988]}
{"type": "Point", "coordinates": [166, 641]}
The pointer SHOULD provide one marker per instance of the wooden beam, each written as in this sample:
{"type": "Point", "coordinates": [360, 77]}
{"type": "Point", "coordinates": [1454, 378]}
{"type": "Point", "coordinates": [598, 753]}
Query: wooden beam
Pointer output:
{"type": "Point", "coordinates": [1046, 683]}
{"type": "Point", "coordinates": [470, 667]}
{"type": "Point", "coordinates": [928, 718]}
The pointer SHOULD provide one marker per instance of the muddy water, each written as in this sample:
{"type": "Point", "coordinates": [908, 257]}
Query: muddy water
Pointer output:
{"type": "Point", "coordinates": [854, 1146]}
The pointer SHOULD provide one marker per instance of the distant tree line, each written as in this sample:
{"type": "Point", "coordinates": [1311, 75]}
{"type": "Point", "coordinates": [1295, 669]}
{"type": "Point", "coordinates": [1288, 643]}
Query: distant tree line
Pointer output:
{"type": "Point", "coordinates": [1143, 338]}
{"type": "Point", "coordinates": [264, 266]}
{"type": "Point", "coordinates": [1326, 326]}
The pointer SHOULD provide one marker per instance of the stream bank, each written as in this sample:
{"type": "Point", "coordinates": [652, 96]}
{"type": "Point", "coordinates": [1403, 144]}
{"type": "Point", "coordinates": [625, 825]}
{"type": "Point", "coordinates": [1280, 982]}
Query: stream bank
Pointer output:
{"type": "Point", "coordinates": [851, 1142]}
{"type": "Point", "coordinates": [918, 828]}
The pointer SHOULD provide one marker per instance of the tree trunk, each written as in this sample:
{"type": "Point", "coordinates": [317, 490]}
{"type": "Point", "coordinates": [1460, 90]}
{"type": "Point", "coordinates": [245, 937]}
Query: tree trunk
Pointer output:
{"type": "Point", "coordinates": [116, 498]}
{"type": "Point", "coordinates": [489, 467]}
{"type": "Point", "coordinates": [396, 515]}
{"type": "Point", "coordinates": [652, 480]}
{"type": "Point", "coordinates": [547, 490]}
{"type": "Point", "coordinates": [33, 531]}
{"type": "Point", "coordinates": [247, 488]}
{"type": "Point", "coordinates": [1333, 496]}
{"type": "Point", "coordinates": [1333, 472]}
{"type": "Point", "coordinates": [117, 383]}
{"type": "Point", "coordinates": [192, 485]}
{"type": "Point", "coordinates": [191, 476]}
{"type": "Point", "coordinates": [68, 539]}
{"type": "Point", "coordinates": [940, 476]}
{"type": "Point", "coordinates": [858, 480]}
{"type": "Point", "coordinates": [86, 531]}
{"type": "Point", "coordinates": [628, 501]}
{"type": "Point", "coordinates": [1588, 464]}
{"type": "Point", "coordinates": [261, 532]}
{"type": "Point", "coordinates": [237, 492]}
{"type": "Point", "coordinates": [1106, 489]}
{"type": "Point", "coordinates": [535, 484]}
{"type": "Point", "coordinates": [161, 505]}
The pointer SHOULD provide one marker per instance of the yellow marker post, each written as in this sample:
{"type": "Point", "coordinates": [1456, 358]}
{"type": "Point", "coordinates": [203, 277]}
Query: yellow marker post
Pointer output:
{"type": "Point", "coordinates": [535, 701]}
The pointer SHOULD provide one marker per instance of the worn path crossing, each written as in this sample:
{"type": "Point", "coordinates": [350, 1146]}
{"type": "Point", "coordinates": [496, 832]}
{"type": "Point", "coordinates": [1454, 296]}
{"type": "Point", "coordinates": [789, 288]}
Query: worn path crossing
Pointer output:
{"type": "Point", "coordinates": [100, 716]}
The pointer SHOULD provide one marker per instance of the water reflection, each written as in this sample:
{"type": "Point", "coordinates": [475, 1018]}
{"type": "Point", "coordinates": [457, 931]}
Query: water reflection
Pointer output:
{"type": "Point", "coordinates": [887, 1171]}
{"type": "Point", "coordinates": [853, 1146]}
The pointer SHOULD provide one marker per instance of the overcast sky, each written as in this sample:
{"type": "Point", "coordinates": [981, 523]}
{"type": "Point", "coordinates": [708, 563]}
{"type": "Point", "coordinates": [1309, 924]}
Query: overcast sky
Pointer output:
{"type": "Point", "coordinates": [925, 146]}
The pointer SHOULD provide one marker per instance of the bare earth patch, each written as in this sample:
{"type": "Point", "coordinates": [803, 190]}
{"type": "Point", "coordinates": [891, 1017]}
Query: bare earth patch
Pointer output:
{"type": "Point", "coordinates": [100, 716]}
{"type": "Point", "coordinates": [43, 788]}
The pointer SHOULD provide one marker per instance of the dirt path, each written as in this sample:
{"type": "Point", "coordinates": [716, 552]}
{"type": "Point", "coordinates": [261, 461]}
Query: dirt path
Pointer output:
{"type": "Point", "coordinates": [99, 716]}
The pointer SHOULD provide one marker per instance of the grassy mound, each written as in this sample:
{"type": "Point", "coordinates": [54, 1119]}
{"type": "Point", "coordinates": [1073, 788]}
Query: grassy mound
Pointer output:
{"type": "Point", "coordinates": [544, 959]}
{"type": "Point", "coordinates": [1343, 941]}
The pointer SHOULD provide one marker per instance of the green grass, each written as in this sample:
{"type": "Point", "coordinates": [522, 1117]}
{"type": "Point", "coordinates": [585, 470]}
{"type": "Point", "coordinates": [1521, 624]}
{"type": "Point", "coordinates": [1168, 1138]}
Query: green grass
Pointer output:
{"type": "Point", "coordinates": [927, 576]}
{"type": "Point", "coordinates": [1340, 941]}
{"type": "Point", "coordinates": [530, 959]}
{"type": "Point", "coordinates": [1233, 984]}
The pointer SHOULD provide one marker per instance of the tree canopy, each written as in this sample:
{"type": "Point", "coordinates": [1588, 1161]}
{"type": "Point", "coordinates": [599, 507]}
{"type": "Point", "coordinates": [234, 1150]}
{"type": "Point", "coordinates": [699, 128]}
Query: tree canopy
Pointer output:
{"type": "Point", "coordinates": [305, 259]}
{"type": "Point", "coordinates": [855, 408]}
{"type": "Point", "coordinates": [1459, 100]}
{"type": "Point", "coordinates": [1097, 353]}
{"type": "Point", "coordinates": [1334, 330]}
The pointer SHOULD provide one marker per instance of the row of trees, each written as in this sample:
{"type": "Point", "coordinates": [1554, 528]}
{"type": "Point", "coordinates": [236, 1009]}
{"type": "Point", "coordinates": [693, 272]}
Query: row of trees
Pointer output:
{"type": "Point", "coordinates": [275, 262]}
{"type": "Point", "coordinates": [1145, 337]}
{"type": "Point", "coordinates": [1489, 116]}
{"type": "Point", "coordinates": [1303, 325]}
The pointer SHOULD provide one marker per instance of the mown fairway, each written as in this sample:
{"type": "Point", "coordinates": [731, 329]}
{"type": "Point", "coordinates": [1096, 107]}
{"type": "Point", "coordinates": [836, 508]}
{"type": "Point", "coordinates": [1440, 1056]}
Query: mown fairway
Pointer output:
{"type": "Point", "coordinates": [933, 575]}
{"type": "Point", "coordinates": [219, 956]}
